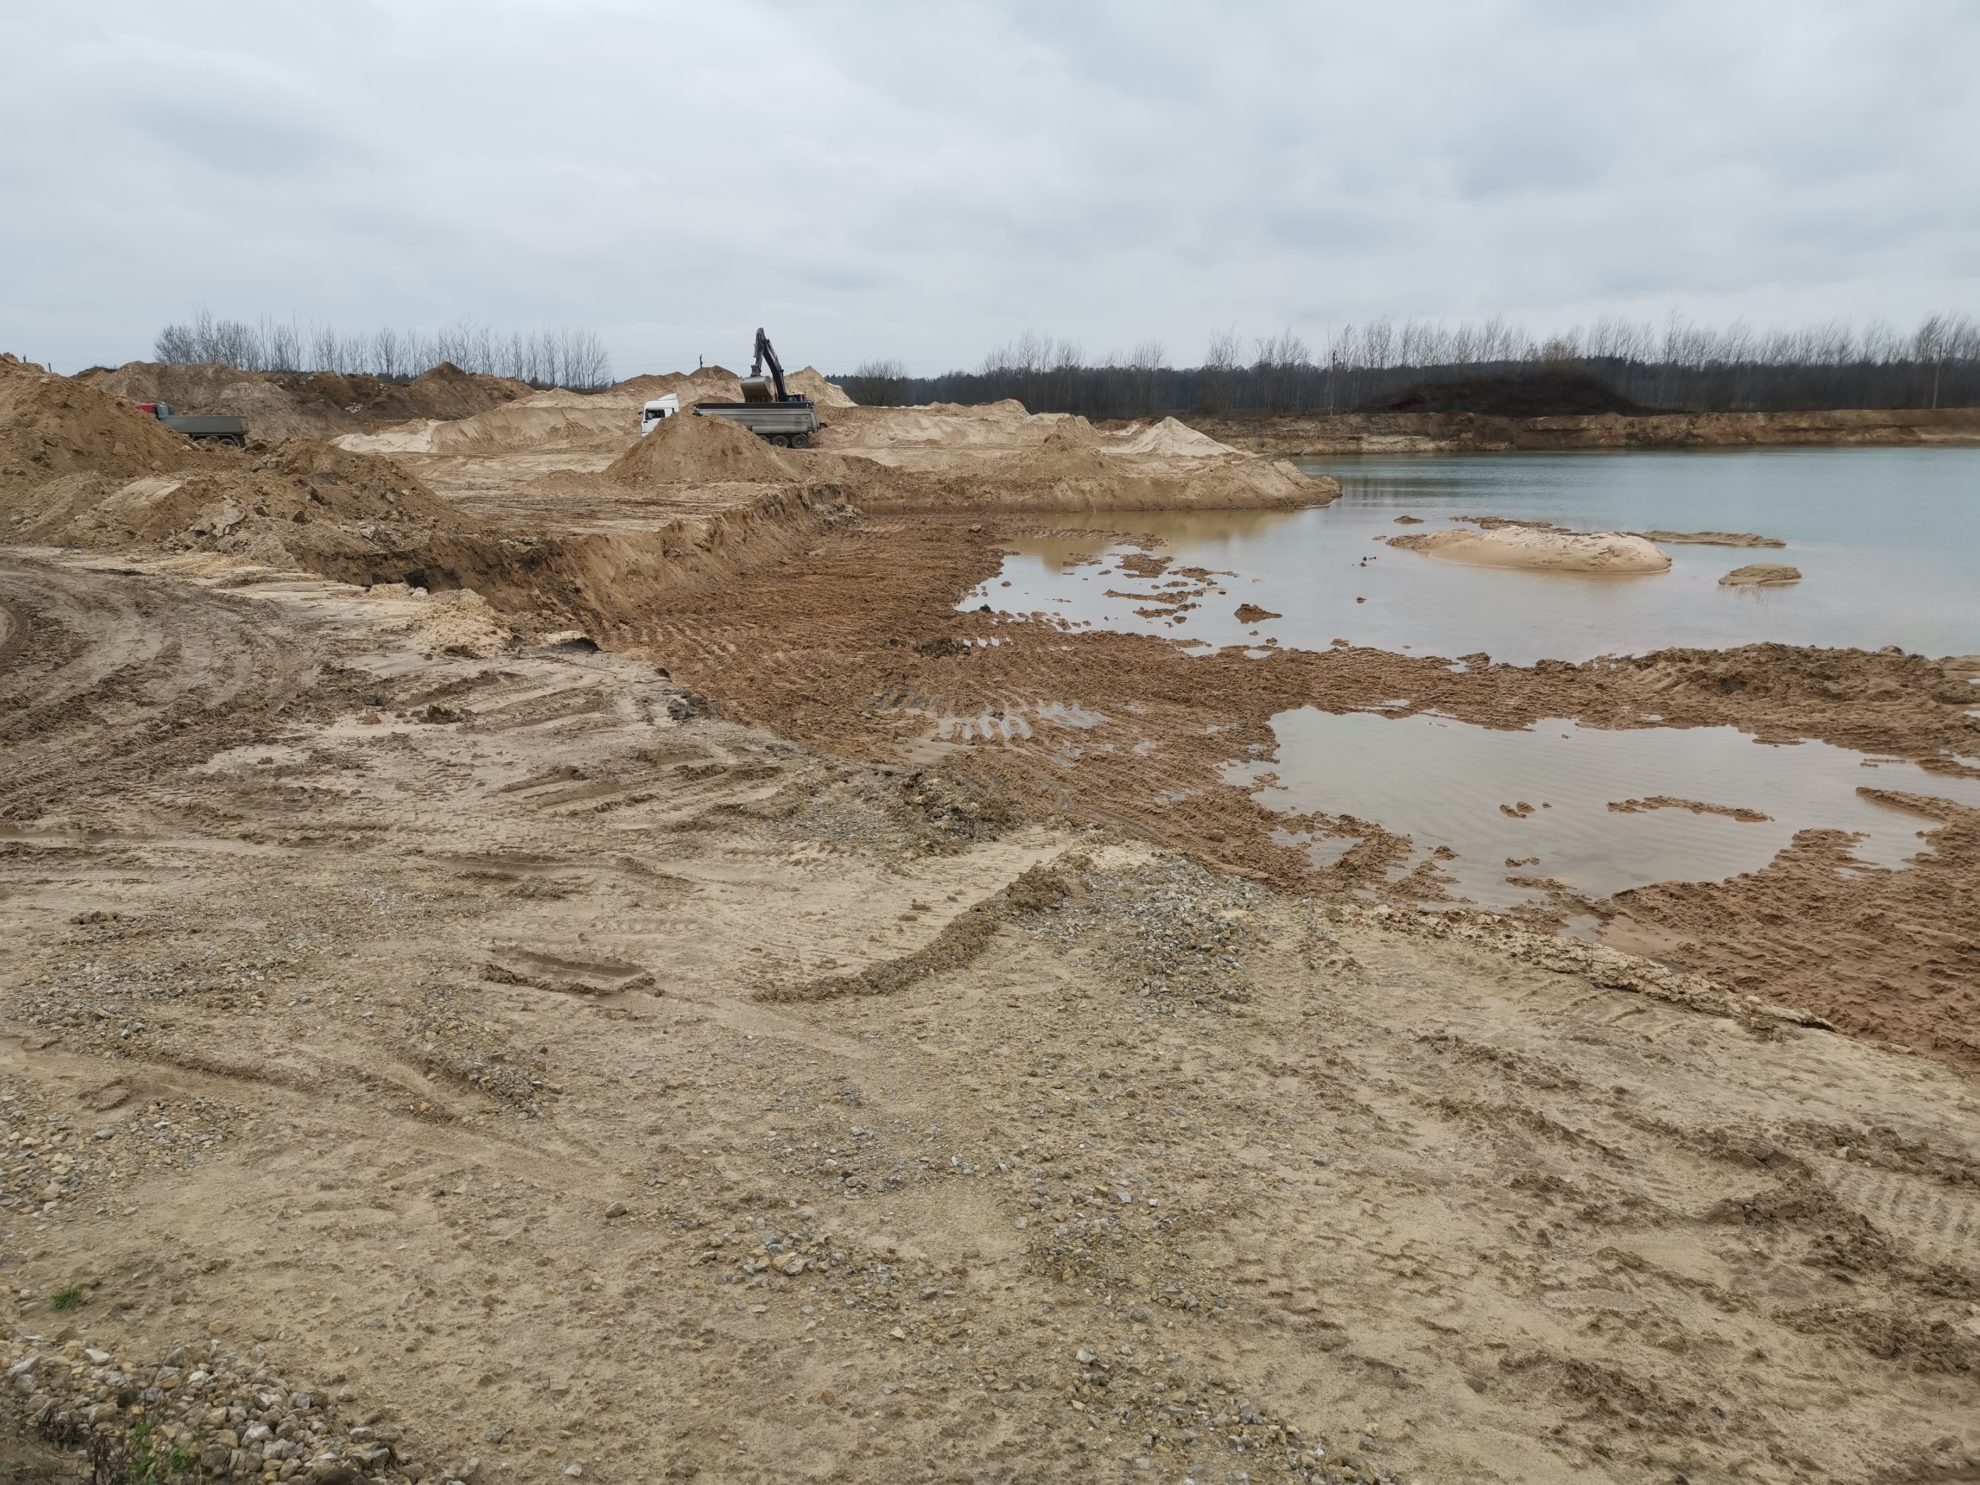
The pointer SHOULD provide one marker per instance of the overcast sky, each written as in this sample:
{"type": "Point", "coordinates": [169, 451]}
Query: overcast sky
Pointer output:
{"type": "Point", "coordinates": [924, 181]}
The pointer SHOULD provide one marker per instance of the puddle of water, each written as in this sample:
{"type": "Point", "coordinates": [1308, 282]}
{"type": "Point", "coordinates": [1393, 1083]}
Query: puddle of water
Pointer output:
{"type": "Point", "coordinates": [1444, 782]}
{"type": "Point", "coordinates": [1884, 538]}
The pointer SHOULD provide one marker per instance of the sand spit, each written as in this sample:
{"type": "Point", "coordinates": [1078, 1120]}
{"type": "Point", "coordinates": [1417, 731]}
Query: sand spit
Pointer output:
{"type": "Point", "coordinates": [1761, 575]}
{"type": "Point", "coordinates": [1712, 538]}
{"type": "Point", "coordinates": [1540, 549]}
{"type": "Point", "coordinates": [1694, 806]}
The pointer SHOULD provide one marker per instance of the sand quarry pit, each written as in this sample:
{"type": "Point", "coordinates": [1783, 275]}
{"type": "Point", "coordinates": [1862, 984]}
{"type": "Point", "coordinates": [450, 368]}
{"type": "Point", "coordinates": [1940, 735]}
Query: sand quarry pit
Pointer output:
{"type": "Point", "coordinates": [582, 958]}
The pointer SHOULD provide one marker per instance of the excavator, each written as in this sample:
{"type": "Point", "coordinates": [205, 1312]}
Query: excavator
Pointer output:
{"type": "Point", "coordinates": [769, 409]}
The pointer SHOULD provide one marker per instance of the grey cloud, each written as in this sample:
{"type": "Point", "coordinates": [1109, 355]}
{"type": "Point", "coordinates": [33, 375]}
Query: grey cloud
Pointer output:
{"type": "Point", "coordinates": [925, 182]}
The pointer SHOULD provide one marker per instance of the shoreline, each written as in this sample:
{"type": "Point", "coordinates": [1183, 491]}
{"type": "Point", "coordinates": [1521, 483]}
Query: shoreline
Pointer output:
{"type": "Point", "coordinates": [1322, 434]}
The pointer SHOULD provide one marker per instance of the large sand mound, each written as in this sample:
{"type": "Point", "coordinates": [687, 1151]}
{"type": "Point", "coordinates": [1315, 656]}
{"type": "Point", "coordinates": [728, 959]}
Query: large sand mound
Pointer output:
{"type": "Point", "coordinates": [1169, 439]}
{"type": "Point", "coordinates": [1538, 549]}
{"type": "Point", "coordinates": [696, 450]}
{"type": "Point", "coordinates": [709, 384]}
{"type": "Point", "coordinates": [282, 405]}
{"type": "Point", "coordinates": [540, 420]}
{"type": "Point", "coordinates": [306, 504]}
{"type": "Point", "coordinates": [51, 425]}
{"type": "Point", "coordinates": [808, 381]}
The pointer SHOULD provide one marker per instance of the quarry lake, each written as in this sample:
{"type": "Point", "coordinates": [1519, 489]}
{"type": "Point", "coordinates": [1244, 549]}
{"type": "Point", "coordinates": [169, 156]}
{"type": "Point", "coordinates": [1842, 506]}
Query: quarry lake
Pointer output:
{"type": "Point", "coordinates": [1887, 541]}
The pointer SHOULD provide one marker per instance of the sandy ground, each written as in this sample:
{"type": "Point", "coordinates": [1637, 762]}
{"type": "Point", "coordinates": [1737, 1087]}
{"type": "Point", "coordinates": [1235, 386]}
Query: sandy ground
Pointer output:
{"type": "Point", "coordinates": [825, 1035]}
{"type": "Point", "coordinates": [510, 995]}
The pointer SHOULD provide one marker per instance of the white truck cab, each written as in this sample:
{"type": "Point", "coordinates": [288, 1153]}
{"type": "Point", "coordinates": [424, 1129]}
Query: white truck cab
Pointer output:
{"type": "Point", "coordinates": [660, 408]}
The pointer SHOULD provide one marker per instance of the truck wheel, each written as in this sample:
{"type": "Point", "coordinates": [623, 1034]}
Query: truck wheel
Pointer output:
{"type": "Point", "coordinates": [800, 440]}
{"type": "Point", "coordinates": [780, 440]}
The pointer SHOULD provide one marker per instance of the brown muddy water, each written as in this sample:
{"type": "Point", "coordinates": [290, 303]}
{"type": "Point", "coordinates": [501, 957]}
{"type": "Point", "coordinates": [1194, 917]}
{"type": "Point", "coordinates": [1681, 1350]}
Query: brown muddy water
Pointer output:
{"type": "Point", "coordinates": [1542, 797]}
{"type": "Point", "coordinates": [1887, 541]}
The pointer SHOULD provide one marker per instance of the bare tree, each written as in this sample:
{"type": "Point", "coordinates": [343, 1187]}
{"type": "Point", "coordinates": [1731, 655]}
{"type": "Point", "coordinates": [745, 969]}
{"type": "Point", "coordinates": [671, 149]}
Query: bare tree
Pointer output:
{"type": "Point", "coordinates": [877, 383]}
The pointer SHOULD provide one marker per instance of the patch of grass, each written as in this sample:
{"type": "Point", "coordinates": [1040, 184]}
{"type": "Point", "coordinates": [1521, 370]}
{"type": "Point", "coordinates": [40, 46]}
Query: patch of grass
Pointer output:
{"type": "Point", "coordinates": [71, 1298]}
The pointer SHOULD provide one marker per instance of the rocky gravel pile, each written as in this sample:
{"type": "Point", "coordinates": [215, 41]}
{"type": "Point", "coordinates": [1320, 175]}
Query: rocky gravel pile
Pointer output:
{"type": "Point", "coordinates": [1169, 930]}
{"type": "Point", "coordinates": [50, 1160]}
{"type": "Point", "coordinates": [202, 1412]}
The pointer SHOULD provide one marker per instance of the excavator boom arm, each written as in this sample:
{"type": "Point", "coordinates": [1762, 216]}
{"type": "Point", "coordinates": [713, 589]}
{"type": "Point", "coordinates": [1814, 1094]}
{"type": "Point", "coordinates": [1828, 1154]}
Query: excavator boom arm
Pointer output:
{"type": "Point", "coordinates": [766, 354]}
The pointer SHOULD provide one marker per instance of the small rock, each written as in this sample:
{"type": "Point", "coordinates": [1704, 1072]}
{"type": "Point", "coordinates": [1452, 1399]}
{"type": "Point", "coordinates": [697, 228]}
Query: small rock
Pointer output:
{"type": "Point", "coordinates": [573, 1470]}
{"type": "Point", "coordinates": [616, 1209]}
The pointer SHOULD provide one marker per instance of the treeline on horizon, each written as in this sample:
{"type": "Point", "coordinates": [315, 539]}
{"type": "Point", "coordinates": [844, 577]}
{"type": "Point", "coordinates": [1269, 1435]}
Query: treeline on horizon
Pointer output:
{"type": "Point", "coordinates": [543, 358]}
{"type": "Point", "coordinates": [1682, 367]}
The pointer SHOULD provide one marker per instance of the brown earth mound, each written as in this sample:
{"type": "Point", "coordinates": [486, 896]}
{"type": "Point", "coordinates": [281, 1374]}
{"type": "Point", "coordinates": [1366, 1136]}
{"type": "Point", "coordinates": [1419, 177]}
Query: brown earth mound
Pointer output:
{"type": "Point", "coordinates": [290, 507]}
{"type": "Point", "coordinates": [286, 404]}
{"type": "Point", "coordinates": [696, 450]}
{"type": "Point", "coordinates": [51, 425]}
{"type": "Point", "coordinates": [1544, 395]}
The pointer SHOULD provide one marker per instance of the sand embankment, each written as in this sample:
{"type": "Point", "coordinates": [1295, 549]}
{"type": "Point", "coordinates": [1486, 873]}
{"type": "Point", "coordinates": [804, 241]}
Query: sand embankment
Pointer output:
{"type": "Point", "coordinates": [1405, 433]}
{"type": "Point", "coordinates": [1540, 549]}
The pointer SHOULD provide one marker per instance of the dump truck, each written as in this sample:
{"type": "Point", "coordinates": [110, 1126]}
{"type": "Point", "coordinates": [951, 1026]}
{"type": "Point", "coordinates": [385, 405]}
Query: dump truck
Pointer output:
{"type": "Point", "coordinates": [769, 408]}
{"type": "Point", "coordinates": [211, 428]}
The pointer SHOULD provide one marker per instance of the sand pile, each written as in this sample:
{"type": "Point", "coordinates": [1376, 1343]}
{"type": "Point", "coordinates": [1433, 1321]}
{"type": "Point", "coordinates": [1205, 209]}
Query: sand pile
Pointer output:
{"type": "Point", "coordinates": [1761, 575]}
{"type": "Point", "coordinates": [273, 412]}
{"type": "Point", "coordinates": [460, 622]}
{"type": "Point", "coordinates": [307, 504]}
{"type": "Point", "coordinates": [696, 450]}
{"type": "Point", "coordinates": [809, 382]}
{"type": "Point", "coordinates": [1169, 439]}
{"type": "Point", "coordinates": [52, 425]}
{"type": "Point", "coordinates": [317, 404]}
{"type": "Point", "coordinates": [1539, 549]}
{"type": "Point", "coordinates": [708, 384]}
{"type": "Point", "coordinates": [883, 433]}
{"type": "Point", "coordinates": [997, 456]}
{"type": "Point", "coordinates": [538, 421]}
{"type": "Point", "coordinates": [542, 420]}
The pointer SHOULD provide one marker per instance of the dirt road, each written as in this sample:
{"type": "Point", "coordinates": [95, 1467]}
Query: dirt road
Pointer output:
{"type": "Point", "coordinates": [552, 1074]}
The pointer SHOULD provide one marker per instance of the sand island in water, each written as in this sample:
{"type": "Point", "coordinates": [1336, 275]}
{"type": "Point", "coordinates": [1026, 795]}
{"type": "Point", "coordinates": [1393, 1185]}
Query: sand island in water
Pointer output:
{"type": "Point", "coordinates": [1540, 549]}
